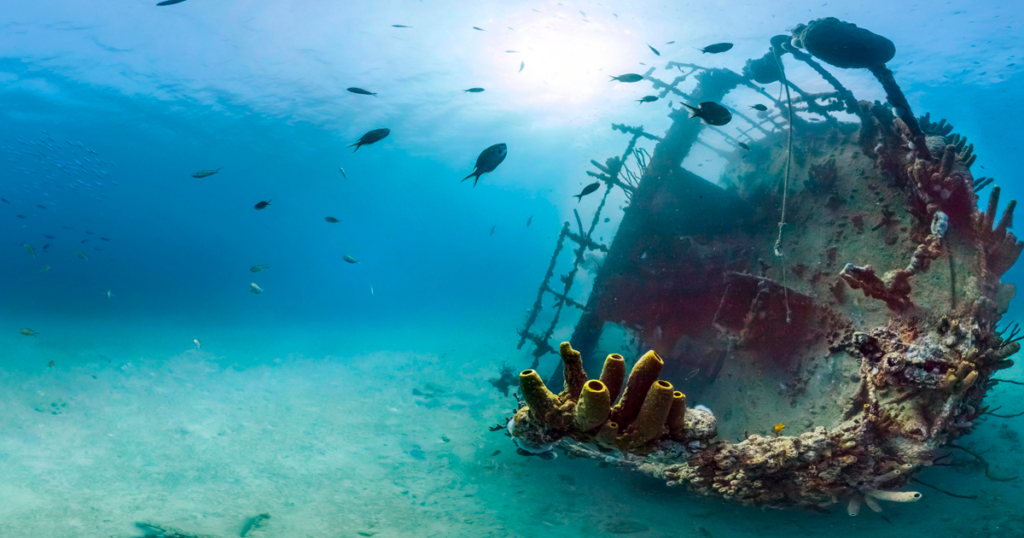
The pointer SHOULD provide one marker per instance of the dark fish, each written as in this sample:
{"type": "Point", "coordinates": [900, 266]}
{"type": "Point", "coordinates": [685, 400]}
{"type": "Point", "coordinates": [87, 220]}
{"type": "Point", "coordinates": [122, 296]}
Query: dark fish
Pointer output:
{"type": "Point", "coordinates": [400, 26]}
{"type": "Point", "coordinates": [84, 241]}
{"type": "Point", "coordinates": [261, 205]}
{"type": "Point", "coordinates": [488, 160]}
{"type": "Point", "coordinates": [492, 229]}
{"type": "Point", "coordinates": [170, 2]}
{"type": "Point", "coordinates": [5, 200]}
{"type": "Point", "coordinates": [648, 99]}
{"type": "Point", "coordinates": [670, 42]}
{"type": "Point", "coordinates": [332, 220]}
{"type": "Point", "coordinates": [361, 91]}
{"type": "Point", "coordinates": [40, 206]}
{"type": "Point", "coordinates": [629, 77]}
{"type": "Point", "coordinates": [511, 51]}
{"type": "Point", "coordinates": [87, 232]}
{"type": "Point", "coordinates": [50, 365]}
{"type": "Point", "coordinates": [476, 28]}
{"type": "Point", "coordinates": [495, 453]}
{"type": "Point", "coordinates": [350, 259]}
{"type": "Point", "coordinates": [759, 107]}
{"type": "Point", "coordinates": [204, 173]}
{"type": "Point", "coordinates": [48, 236]}
{"type": "Point", "coordinates": [474, 90]}
{"type": "Point", "coordinates": [521, 66]}
{"type": "Point", "coordinates": [654, 50]}
{"type": "Point", "coordinates": [587, 190]}
{"type": "Point", "coordinates": [21, 216]}
{"type": "Point", "coordinates": [46, 246]}
{"type": "Point", "coordinates": [529, 221]}
{"type": "Point", "coordinates": [712, 113]}
{"type": "Point", "coordinates": [375, 135]}
{"type": "Point", "coordinates": [547, 456]}
{"type": "Point", "coordinates": [716, 48]}
{"type": "Point", "coordinates": [744, 146]}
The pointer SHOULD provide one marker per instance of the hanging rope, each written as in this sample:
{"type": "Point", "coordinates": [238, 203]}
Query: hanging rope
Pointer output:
{"type": "Point", "coordinates": [777, 42]}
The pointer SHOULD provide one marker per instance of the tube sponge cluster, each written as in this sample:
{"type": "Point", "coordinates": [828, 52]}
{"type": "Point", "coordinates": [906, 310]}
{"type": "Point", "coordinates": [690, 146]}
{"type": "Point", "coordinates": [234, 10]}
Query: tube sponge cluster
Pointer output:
{"type": "Point", "coordinates": [591, 411]}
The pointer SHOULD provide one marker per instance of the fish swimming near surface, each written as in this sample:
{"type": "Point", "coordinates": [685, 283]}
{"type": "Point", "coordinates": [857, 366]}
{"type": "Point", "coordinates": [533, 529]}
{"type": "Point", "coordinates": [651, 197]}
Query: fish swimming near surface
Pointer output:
{"type": "Point", "coordinates": [258, 268]}
{"type": "Point", "coordinates": [332, 220]}
{"type": "Point", "coordinates": [670, 43]}
{"type": "Point", "coordinates": [342, 170]}
{"type": "Point", "coordinates": [473, 90]}
{"type": "Point", "coordinates": [759, 107]}
{"type": "Point", "coordinates": [375, 135]}
{"type": "Point", "coordinates": [529, 221]}
{"type": "Point", "coordinates": [744, 146]}
{"type": "Point", "coordinates": [716, 48]}
{"type": "Point", "coordinates": [712, 113]}
{"type": "Point", "coordinates": [521, 66]}
{"type": "Point", "coordinates": [400, 26]}
{"type": "Point", "coordinates": [205, 173]}
{"type": "Point", "coordinates": [628, 77]}
{"type": "Point", "coordinates": [261, 205]}
{"type": "Point", "coordinates": [511, 51]}
{"type": "Point", "coordinates": [488, 160]}
{"type": "Point", "coordinates": [587, 190]}
{"type": "Point", "coordinates": [654, 50]}
{"type": "Point", "coordinates": [492, 230]}
{"type": "Point", "coordinates": [28, 332]}
{"type": "Point", "coordinates": [199, 345]}
{"type": "Point", "coordinates": [256, 290]}
{"type": "Point", "coordinates": [170, 2]}
{"type": "Point", "coordinates": [350, 259]}
{"type": "Point", "coordinates": [648, 99]}
{"type": "Point", "coordinates": [361, 91]}
{"type": "Point", "coordinates": [477, 28]}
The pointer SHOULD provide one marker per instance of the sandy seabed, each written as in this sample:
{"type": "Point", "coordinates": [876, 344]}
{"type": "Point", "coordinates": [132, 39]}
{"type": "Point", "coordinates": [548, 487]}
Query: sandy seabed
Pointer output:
{"type": "Point", "coordinates": [389, 443]}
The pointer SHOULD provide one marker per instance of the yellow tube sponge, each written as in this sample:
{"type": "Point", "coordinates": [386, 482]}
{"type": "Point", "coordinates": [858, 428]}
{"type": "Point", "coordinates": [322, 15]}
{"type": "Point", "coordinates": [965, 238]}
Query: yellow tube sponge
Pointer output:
{"type": "Point", "coordinates": [613, 374]}
{"type": "Point", "coordinates": [650, 423]}
{"type": "Point", "coordinates": [894, 496]}
{"type": "Point", "coordinates": [645, 372]}
{"type": "Point", "coordinates": [608, 433]}
{"type": "Point", "coordinates": [968, 381]}
{"type": "Point", "coordinates": [575, 376]}
{"type": "Point", "coordinates": [593, 407]}
{"type": "Point", "coordinates": [676, 421]}
{"type": "Point", "coordinates": [541, 400]}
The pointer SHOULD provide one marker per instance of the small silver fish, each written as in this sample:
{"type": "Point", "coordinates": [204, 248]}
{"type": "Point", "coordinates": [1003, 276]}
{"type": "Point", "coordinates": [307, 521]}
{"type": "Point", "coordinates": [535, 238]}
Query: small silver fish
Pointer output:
{"type": "Point", "coordinates": [199, 345]}
{"type": "Point", "coordinates": [255, 289]}
{"type": "Point", "coordinates": [342, 170]}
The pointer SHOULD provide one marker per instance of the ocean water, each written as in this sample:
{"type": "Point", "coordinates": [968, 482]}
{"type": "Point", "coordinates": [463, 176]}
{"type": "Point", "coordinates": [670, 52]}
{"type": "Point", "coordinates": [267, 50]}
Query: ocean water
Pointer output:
{"type": "Point", "coordinates": [352, 399]}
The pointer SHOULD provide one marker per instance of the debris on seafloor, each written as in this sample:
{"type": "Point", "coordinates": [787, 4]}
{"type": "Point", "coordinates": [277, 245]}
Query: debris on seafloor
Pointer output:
{"type": "Point", "coordinates": [870, 346]}
{"type": "Point", "coordinates": [505, 380]}
{"type": "Point", "coordinates": [252, 528]}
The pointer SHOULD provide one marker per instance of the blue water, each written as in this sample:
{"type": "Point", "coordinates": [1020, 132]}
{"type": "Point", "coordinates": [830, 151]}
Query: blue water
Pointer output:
{"type": "Point", "coordinates": [299, 402]}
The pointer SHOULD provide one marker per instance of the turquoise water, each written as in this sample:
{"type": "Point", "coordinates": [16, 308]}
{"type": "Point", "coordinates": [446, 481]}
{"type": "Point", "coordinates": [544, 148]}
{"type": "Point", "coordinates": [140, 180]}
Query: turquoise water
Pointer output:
{"type": "Point", "coordinates": [352, 399]}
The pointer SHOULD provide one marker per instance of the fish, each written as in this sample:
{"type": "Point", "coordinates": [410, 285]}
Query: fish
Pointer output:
{"type": "Point", "coordinates": [375, 135]}
{"type": "Point", "coordinates": [205, 173]}
{"type": "Point", "coordinates": [342, 170]}
{"type": "Point", "coordinates": [511, 51]}
{"type": "Point", "coordinates": [21, 216]}
{"type": "Point", "coordinates": [46, 246]}
{"type": "Point", "coordinates": [587, 190]}
{"type": "Point", "coordinates": [84, 241]}
{"type": "Point", "coordinates": [350, 259]}
{"type": "Point", "coordinates": [44, 269]}
{"type": "Point", "coordinates": [371, 290]}
{"type": "Point", "coordinates": [778, 428]}
{"type": "Point", "coordinates": [261, 205]}
{"type": "Point", "coordinates": [712, 113]}
{"type": "Point", "coordinates": [170, 2]}
{"type": "Point", "coordinates": [492, 230]}
{"type": "Point", "coordinates": [199, 345]}
{"type": "Point", "coordinates": [400, 26]}
{"type": "Point", "coordinates": [759, 107]}
{"type": "Point", "coordinates": [28, 332]}
{"type": "Point", "coordinates": [716, 48]}
{"type": "Point", "coordinates": [529, 221]}
{"type": "Point", "coordinates": [332, 220]}
{"type": "Point", "coordinates": [670, 43]}
{"type": "Point", "coordinates": [48, 236]}
{"type": "Point", "coordinates": [361, 91]}
{"type": "Point", "coordinates": [5, 200]}
{"type": "Point", "coordinates": [30, 250]}
{"type": "Point", "coordinates": [256, 290]}
{"type": "Point", "coordinates": [476, 28]}
{"type": "Point", "coordinates": [654, 50]}
{"type": "Point", "coordinates": [52, 363]}
{"type": "Point", "coordinates": [104, 239]}
{"type": "Point", "coordinates": [495, 453]}
{"type": "Point", "coordinates": [473, 90]}
{"type": "Point", "coordinates": [40, 206]}
{"type": "Point", "coordinates": [488, 160]}
{"type": "Point", "coordinates": [521, 66]}
{"type": "Point", "coordinates": [82, 256]}
{"type": "Point", "coordinates": [109, 294]}
{"type": "Point", "coordinates": [87, 232]}
{"type": "Point", "coordinates": [744, 146]}
{"type": "Point", "coordinates": [258, 268]}
{"type": "Point", "coordinates": [628, 77]}
{"type": "Point", "coordinates": [648, 99]}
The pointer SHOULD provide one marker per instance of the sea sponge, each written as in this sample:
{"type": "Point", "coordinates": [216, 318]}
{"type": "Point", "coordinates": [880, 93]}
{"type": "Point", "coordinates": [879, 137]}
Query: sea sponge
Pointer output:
{"type": "Point", "coordinates": [645, 372]}
{"type": "Point", "coordinates": [593, 406]}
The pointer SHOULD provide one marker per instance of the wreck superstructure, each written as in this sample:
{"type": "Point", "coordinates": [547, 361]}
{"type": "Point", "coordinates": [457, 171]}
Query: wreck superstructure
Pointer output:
{"type": "Point", "coordinates": [833, 300]}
